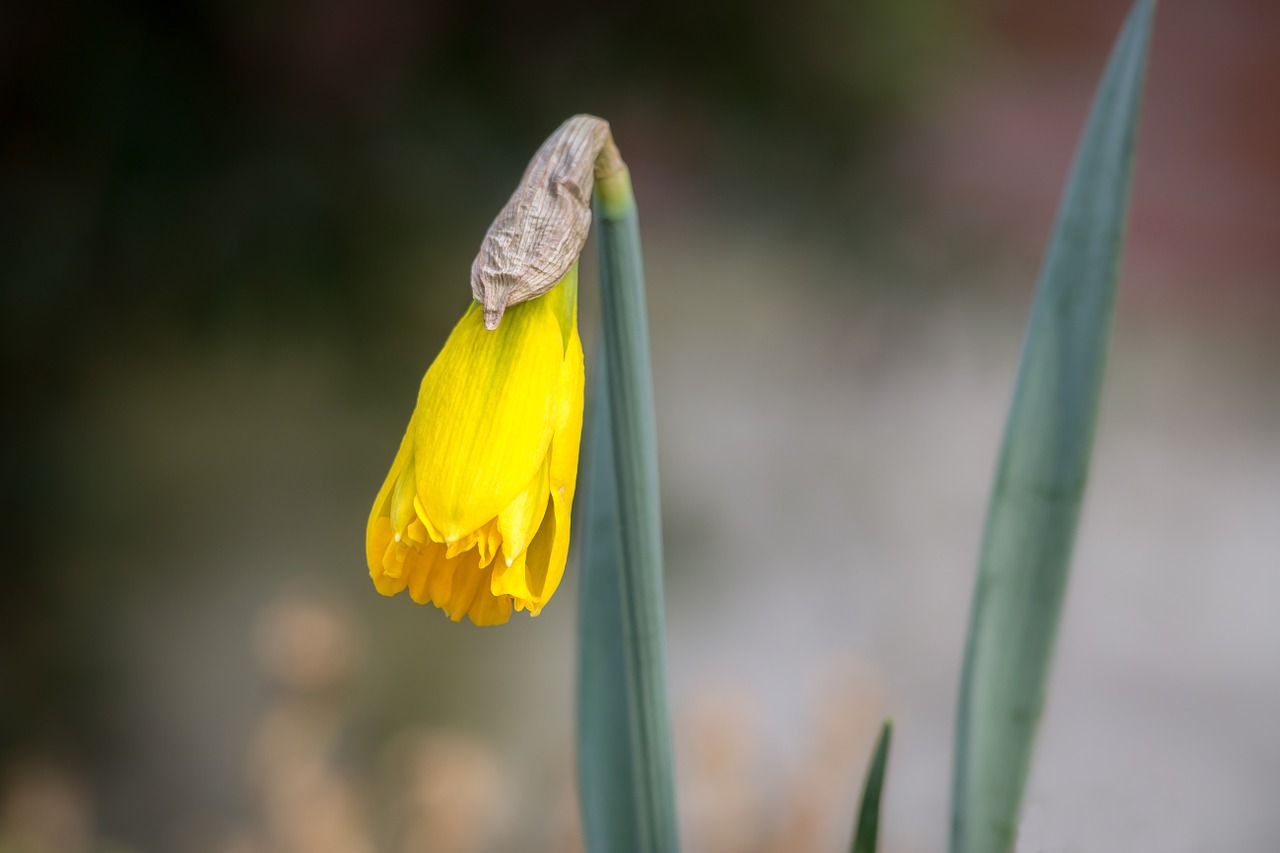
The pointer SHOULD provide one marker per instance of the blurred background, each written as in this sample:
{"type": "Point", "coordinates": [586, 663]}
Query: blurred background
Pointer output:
{"type": "Point", "coordinates": [234, 235]}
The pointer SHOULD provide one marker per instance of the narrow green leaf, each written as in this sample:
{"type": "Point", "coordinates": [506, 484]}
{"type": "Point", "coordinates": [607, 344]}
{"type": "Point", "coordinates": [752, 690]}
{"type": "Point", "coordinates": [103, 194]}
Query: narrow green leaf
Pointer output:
{"type": "Point", "coordinates": [866, 835]}
{"type": "Point", "coordinates": [633, 435]}
{"type": "Point", "coordinates": [1043, 467]}
{"type": "Point", "coordinates": [609, 819]}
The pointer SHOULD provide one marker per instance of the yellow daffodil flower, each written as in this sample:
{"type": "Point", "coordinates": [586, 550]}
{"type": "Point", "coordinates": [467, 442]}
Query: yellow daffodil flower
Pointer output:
{"type": "Point", "coordinates": [474, 514]}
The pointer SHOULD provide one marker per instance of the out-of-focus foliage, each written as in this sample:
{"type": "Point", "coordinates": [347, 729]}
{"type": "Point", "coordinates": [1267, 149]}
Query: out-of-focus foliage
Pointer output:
{"type": "Point", "coordinates": [1044, 465]}
{"type": "Point", "coordinates": [866, 833]}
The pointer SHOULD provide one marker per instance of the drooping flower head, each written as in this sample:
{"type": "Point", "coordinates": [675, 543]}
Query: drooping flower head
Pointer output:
{"type": "Point", "coordinates": [474, 514]}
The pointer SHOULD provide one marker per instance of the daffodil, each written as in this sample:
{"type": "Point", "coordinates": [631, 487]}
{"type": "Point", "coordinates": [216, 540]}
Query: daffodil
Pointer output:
{"type": "Point", "coordinates": [474, 514]}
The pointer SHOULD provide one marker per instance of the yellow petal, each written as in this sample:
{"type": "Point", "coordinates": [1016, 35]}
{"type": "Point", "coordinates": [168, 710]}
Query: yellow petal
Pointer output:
{"type": "Point", "coordinates": [567, 437]}
{"type": "Point", "coordinates": [562, 300]}
{"type": "Point", "coordinates": [376, 541]}
{"type": "Point", "coordinates": [402, 495]}
{"type": "Point", "coordinates": [387, 583]}
{"type": "Point", "coordinates": [415, 534]}
{"type": "Point", "coordinates": [393, 559]}
{"type": "Point", "coordinates": [512, 579]}
{"type": "Point", "coordinates": [486, 413]}
{"type": "Point", "coordinates": [439, 582]}
{"type": "Point", "coordinates": [488, 464]}
{"type": "Point", "coordinates": [536, 573]}
{"type": "Point", "coordinates": [546, 559]}
{"type": "Point", "coordinates": [490, 610]}
{"type": "Point", "coordinates": [422, 568]}
{"type": "Point", "coordinates": [519, 521]}
{"type": "Point", "coordinates": [468, 580]}
{"type": "Point", "coordinates": [485, 539]}
{"type": "Point", "coordinates": [436, 535]}
{"type": "Point", "coordinates": [382, 503]}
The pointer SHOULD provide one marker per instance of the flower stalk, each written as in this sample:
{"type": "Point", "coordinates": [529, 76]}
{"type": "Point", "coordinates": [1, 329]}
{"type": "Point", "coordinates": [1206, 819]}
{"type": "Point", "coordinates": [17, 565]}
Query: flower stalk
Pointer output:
{"type": "Point", "coordinates": [631, 444]}
{"type": "Point", "coordinates": [610, 819]}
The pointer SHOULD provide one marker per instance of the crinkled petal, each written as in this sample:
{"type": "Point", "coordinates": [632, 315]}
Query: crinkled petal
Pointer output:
{"type": "Point", "coordinates": [485, 540]}
{"type": "Point", "coordinates": [469, 580]}
{"type": "Point", "coordinates": [423, 567]}
{"type": "Point", "coordinates": [490, 610]}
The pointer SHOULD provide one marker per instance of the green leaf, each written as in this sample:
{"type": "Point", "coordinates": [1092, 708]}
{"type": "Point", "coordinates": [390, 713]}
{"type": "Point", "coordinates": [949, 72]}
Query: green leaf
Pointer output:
{"type": "Point", "coordinates": [1043, 467]}
{"type": "Point", "coordinates": [867, 833]}
{"type": "Point", "coordinates": [628, 572]}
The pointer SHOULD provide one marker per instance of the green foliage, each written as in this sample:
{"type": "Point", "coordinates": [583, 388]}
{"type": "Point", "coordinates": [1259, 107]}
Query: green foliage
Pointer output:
{"type": "Point", "coordinates": [866, 835]}
{"type": "Point", "coordinates": [1043, 467]}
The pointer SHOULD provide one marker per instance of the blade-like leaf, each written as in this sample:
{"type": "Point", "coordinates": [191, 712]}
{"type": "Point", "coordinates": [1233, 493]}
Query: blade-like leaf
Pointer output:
{"type": "Point", "coordinates": [638, 616]}
{"type": "Point", "coordinates": [1044, 462]}
{"type": "Point", "coordinates": [867, 834]}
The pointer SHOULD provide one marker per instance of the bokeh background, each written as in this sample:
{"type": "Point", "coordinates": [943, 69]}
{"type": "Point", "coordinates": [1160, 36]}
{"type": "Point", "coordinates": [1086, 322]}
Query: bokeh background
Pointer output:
{"type": "Point", "coordinates": [234, 235]}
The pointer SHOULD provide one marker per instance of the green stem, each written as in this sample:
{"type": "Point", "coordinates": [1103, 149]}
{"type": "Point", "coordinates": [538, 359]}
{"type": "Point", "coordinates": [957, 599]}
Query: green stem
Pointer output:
{"type": "Point", "coordinates": [635, 459]}
{"type": "Point", "coordinates": [609, 819]}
